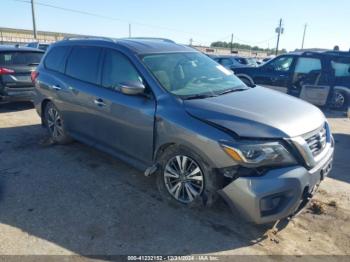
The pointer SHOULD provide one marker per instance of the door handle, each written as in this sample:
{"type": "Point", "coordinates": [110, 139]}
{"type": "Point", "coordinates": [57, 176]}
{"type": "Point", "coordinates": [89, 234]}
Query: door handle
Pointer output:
{"type": "Point", "coordinates": [56, 87]}
{"type": "Point", "coordinates": [99, 102]}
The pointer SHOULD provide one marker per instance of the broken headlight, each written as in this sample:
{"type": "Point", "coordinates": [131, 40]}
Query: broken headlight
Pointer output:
{"type": "Point", "coordinates": [257, 153]}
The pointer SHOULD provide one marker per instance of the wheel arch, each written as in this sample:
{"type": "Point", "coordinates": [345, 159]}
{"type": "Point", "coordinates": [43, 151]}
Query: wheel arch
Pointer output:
{"type": "Point", "coordinates": [42, 108]}
{"type": "Point", "coordinates": [241, 75]}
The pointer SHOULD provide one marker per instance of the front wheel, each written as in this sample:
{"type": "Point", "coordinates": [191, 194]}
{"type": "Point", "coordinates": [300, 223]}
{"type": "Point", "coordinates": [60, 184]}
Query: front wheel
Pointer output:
{"type": "Point", "coordinates": [246, 81]}
{"type": "Point", "coordinates": [185, 180]}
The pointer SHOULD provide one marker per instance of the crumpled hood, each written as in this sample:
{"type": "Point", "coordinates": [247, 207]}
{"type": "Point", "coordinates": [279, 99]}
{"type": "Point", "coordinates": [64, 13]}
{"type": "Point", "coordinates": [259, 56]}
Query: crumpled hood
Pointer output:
{"type": "Point", "coordinates": [258, 112]}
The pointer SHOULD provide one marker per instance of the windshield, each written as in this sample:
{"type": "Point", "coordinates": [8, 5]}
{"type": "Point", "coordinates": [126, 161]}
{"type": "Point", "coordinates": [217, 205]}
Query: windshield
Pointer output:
{"type": "Point", "coordinates": [192, 74]}
{"type": "Point", "coordinates": [20, 58]}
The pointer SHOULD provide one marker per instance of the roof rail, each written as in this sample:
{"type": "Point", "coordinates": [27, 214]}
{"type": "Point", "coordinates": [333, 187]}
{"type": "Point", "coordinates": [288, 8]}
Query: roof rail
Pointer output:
{"type": "Point", "coordinates": [81, 37]}
{"type": "Point", "coordinates": [149, 38]}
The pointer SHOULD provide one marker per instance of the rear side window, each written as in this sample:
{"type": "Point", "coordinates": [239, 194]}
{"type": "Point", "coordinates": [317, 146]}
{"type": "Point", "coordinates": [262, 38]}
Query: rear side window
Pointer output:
{"type": "Point", "coordinates": [307, 64]}
{"type": "Point", "coordinates": [20, 58]}
{"type": "Point", "coordinates": [55, 59]}
{"type": "Point", "coordinates": [118, 69]}
{"type": "Point", "coordinates": [341, 67]}
{"type": "Point", "coordinates": [83, 63]}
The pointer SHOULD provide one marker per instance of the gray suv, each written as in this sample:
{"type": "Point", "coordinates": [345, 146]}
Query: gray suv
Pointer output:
{"type": "Point", "coordinates": [173, 112]}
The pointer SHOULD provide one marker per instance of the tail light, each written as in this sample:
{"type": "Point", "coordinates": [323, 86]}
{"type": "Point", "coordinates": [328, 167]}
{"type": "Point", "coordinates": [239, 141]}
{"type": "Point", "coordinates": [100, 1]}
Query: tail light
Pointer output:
{"type": "Point", "coordinates": [34, 75]}
{"type": "Point", "coordinates": [6, 71]}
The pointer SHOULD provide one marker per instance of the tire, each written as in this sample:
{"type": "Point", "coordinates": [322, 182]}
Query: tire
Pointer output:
{"type": "Point", "coordinates": [55, 125]}
{"type": "Point", "coordinates": [246, 81]}
{"type": "Point", "coordinates": [339, 100]}
{"type": "Point", "coordinates": [206, 188]}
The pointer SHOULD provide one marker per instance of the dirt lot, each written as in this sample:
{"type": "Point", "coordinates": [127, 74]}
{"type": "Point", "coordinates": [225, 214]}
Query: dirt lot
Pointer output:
{"type": "Point", "coordinates": [76, 200]}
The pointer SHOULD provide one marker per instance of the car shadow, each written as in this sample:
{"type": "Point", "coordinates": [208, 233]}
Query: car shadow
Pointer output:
{"type": "Point", "coordinates": [15, 106]}
{"type": "Point", "coordinates": [92, 204]}
{"type": "Point", "coordinates": [341, 164]}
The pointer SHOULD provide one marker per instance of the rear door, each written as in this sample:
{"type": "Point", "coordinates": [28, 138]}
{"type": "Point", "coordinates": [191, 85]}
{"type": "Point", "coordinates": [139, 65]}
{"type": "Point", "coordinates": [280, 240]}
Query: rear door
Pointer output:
{"type": "Point", "coordinates": [16, 67]}
{"type": "Point", "coordinates": [275, 74]}
{"type": "Point", "coordinates": [124, 123]}
{"type": "Point", "coordinates": [80, 90]}
{"type": "Point", "coordinates": [310, 81]}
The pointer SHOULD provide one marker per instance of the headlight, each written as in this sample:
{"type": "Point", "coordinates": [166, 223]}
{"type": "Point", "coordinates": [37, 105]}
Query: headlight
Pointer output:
{"type": "Point", "coordinates": [256, 154]}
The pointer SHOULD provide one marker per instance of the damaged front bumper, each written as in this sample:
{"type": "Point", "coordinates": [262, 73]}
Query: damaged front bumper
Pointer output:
{"type": "Point", "coordinates": [277, 194]}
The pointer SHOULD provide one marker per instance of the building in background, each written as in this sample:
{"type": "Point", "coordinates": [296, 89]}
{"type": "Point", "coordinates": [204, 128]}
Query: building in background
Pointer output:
{"type": "Point", "coordinates": [10, 36]}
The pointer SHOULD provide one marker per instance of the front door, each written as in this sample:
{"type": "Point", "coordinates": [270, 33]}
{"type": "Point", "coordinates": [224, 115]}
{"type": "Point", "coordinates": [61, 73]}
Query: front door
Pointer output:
{"type": "Point", "coordinates": [125, 122]}
{"type": "Point", "coordinates": [276, 74]}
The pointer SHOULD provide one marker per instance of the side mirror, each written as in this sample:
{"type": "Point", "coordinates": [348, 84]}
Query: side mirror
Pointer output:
{"type": "Point", "coordinates": [132, 88]}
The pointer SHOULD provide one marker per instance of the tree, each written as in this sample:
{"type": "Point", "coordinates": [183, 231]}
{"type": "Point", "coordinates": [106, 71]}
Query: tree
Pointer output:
{"type": "Point", "coordinates": [222, 44]}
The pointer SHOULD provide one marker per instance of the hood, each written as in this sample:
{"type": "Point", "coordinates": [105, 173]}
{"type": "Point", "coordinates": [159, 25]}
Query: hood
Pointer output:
{"type": "Point", "coordinates": [258, 112]}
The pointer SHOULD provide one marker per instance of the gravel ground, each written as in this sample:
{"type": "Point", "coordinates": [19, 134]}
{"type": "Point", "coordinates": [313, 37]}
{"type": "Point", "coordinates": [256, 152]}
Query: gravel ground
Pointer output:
{"type": "Point", "coordinates": [76, 200]}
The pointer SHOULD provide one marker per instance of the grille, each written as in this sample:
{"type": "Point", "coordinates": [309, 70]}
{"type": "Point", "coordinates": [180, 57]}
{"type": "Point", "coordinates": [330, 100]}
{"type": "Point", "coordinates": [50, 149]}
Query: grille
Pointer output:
{"type": "Point", "coordinates": [317, 142]}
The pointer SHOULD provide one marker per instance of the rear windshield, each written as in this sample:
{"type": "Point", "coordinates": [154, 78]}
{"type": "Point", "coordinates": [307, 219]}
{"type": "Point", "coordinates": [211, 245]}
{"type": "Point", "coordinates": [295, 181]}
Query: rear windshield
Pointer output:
{"type": "Point", "coordinates": [20, 58]}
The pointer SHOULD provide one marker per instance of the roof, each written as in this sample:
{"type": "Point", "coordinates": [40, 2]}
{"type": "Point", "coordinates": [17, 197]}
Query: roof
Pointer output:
{"type": "Point", "coordinates": [150, 45]}
{"type": "Point", "coordinates": [228, 56]}
{"type": "Point", "coordinates": [19, 48]}
{"type": "Point", "coordinates": [328, 52]}
{"type": "Point", "coordinates": [136, 45]}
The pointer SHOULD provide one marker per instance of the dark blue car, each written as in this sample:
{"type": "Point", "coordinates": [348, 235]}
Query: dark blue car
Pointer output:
{"type": "Point", "coordinates": [321, 78]}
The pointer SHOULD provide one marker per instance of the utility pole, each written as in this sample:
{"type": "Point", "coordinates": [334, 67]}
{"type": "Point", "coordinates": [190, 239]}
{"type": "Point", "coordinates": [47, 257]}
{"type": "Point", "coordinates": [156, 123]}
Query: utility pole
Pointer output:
{"type": "Point", "coordinates": [231, 44]}
{"type": "Point", "coordinates": [129, 30]}
{"type": "Point", "coordinates": [33, 17]}
{"type": "Point", "coordinates": [279, 31]}
{"type": "Point", "coordinates": [302, 43]}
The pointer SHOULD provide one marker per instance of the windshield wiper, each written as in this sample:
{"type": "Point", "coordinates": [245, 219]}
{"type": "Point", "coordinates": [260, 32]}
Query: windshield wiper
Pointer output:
{"type": "Point", "coordinates": [232, 90]}
{"type": "Point", "coordinates": [199, 96]}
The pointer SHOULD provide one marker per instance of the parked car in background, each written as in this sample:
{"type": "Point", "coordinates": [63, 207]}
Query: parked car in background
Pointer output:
{"type": "Point", "coordinates": [169, 110]}
{"type": "Point", "coordinates": [266, 59]}
{"type": "Point", "coordinates": [16, 65]}
{"type": "Point", "coordinates": [231, 62]}
{"type": "Point", "coordinates": [41, 46]}
{"type": "Point", "coordinates": [321, 78]}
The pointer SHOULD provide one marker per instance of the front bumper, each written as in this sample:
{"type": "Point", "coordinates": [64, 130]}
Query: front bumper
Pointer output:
{"type": "Point", "coordinates": [8, 94]}
{"type": "Point", "coordinates": [277, 194]}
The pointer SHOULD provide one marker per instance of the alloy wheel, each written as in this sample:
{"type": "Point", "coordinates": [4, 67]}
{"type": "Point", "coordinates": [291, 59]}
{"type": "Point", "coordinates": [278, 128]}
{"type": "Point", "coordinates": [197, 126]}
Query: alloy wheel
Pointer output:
{"type": "Point", "coordinates": [183, 178]}
{"type": "Point", "coordinates": [338, 100]}
{"type": "Point", "coordinates": [54, 123]}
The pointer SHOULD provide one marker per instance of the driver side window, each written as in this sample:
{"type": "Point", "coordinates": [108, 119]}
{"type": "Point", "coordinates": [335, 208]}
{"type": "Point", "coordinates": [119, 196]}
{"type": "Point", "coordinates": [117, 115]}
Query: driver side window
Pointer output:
{"type": "Point", "coordinates": [281, 64]}
{"type": "Point", "coordinates": [226, 62]}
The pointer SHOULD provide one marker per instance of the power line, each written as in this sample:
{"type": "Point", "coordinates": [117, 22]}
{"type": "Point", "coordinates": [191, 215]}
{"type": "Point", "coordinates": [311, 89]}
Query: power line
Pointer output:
{"type": "Point", "coordinates": [103, 16]}
{"type": "Point", "coordinates": [129, 23]}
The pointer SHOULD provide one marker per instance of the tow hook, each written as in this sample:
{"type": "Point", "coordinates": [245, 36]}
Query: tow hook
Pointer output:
{"type": "Point", "coordinates": [151, 170]}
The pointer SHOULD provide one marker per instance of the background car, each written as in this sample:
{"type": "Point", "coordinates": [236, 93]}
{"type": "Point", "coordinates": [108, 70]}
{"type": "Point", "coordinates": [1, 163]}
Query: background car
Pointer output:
{"type": "Point", "coordinates": [16, 65]}
{"type": "Point", "coordinates": [41, 46]}
{"type": "Point", "coordinates": [232, 62]}
{"type": "Point", "coordinates": [321, 78]}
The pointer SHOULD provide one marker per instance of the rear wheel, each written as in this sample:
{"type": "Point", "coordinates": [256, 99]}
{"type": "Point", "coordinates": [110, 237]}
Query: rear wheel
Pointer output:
{"type": "Point", "coordinates": [55, 125]}
{"type": "Point", "coordinates": [185, 180]}
{"type": "Point", "coordinates": [339, 100]}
